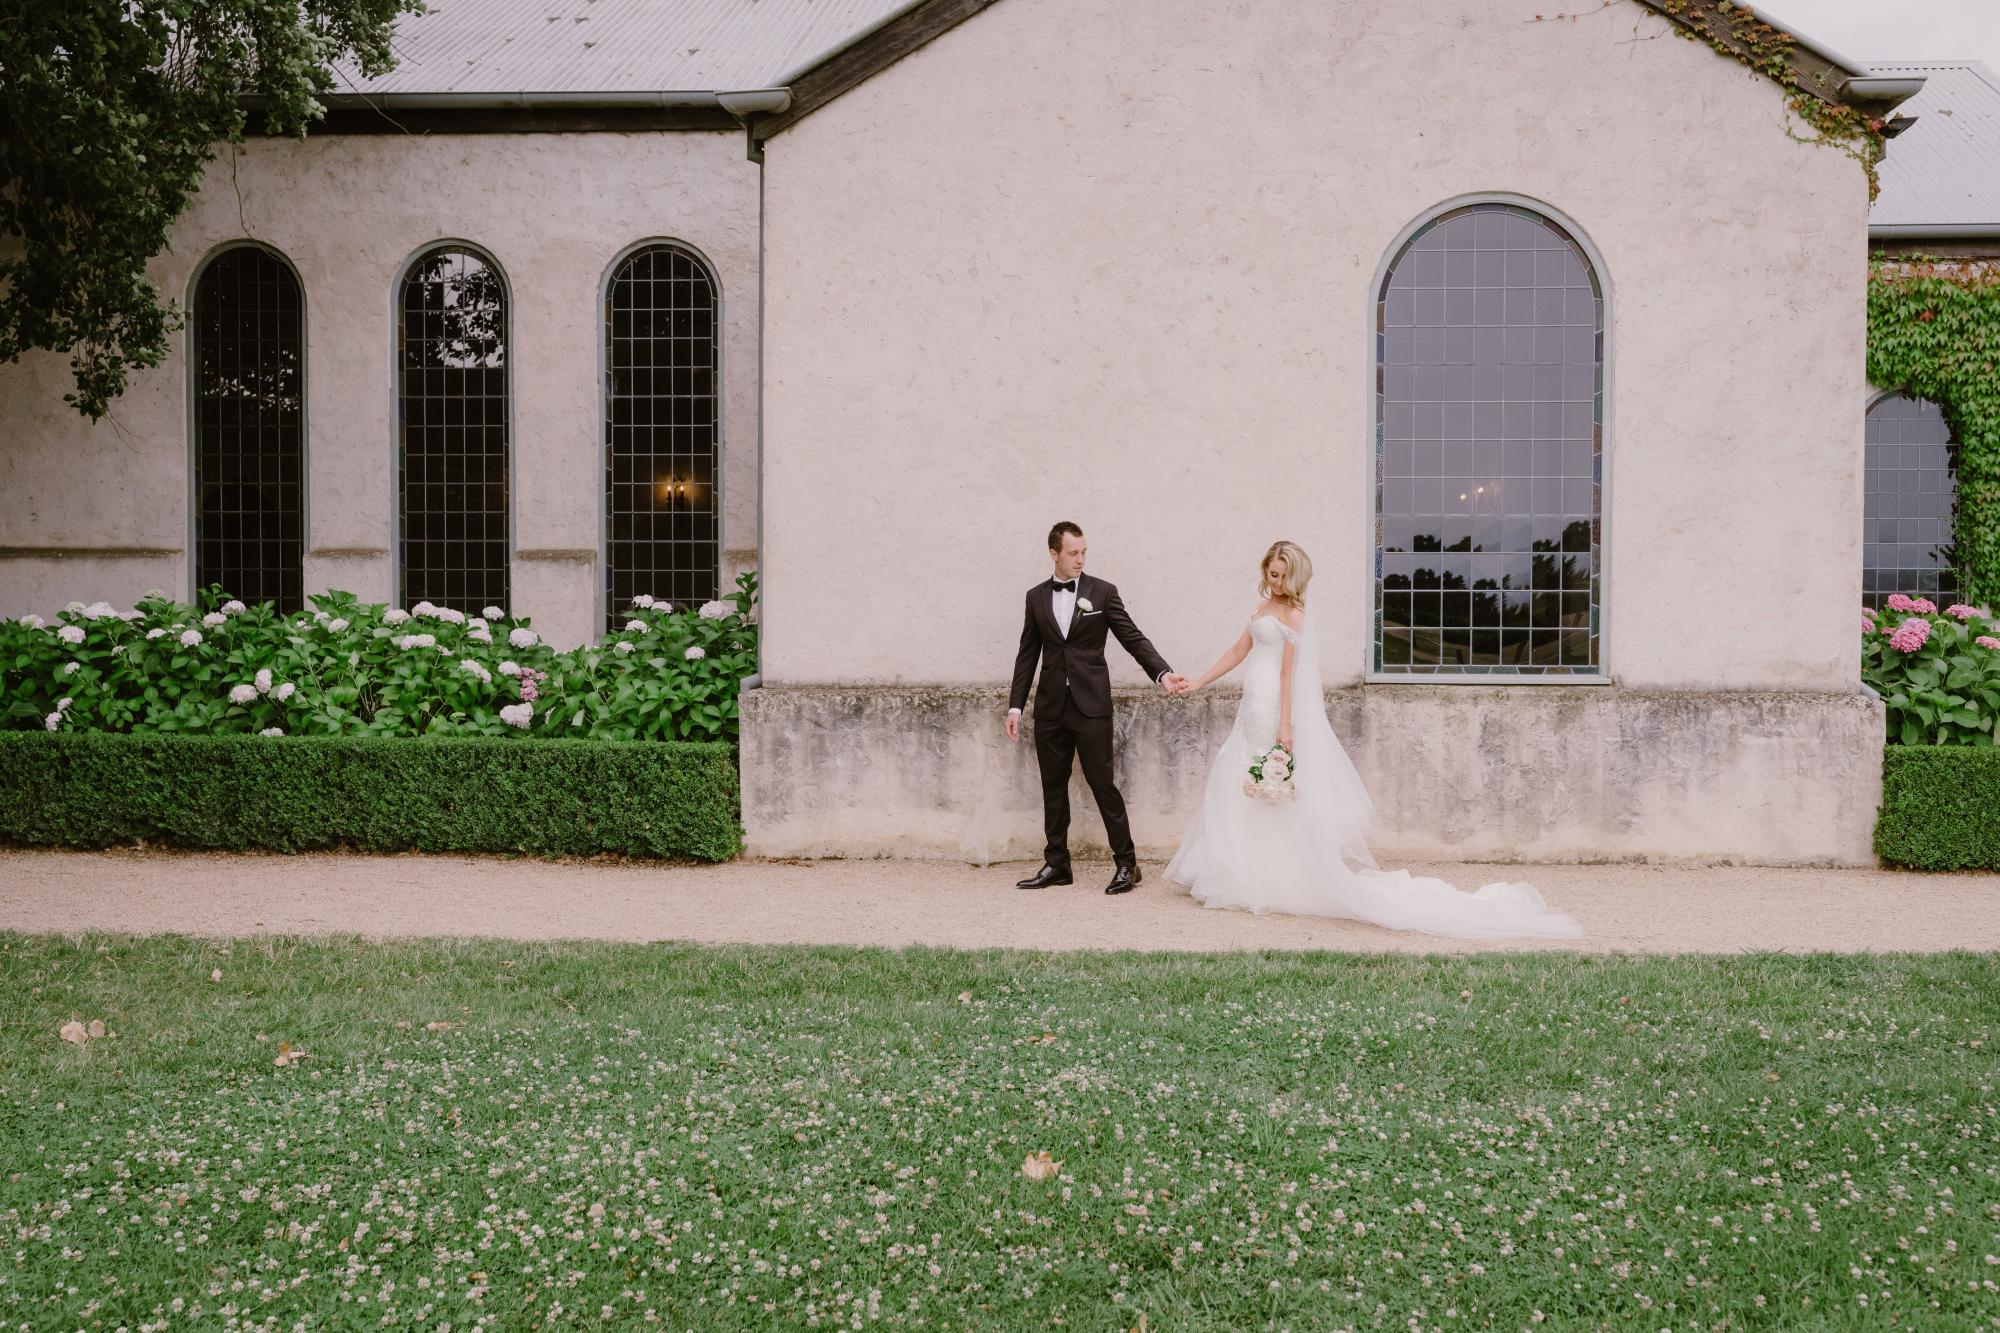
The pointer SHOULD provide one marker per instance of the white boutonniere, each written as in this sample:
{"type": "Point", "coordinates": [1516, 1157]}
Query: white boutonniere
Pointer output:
{"type": "Point", "coordinates": [1083, 604]}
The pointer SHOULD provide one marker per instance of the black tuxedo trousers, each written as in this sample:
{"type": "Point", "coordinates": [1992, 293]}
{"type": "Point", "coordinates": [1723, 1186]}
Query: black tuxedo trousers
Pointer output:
{"type": "Point", "coordinates": [1073, 705]}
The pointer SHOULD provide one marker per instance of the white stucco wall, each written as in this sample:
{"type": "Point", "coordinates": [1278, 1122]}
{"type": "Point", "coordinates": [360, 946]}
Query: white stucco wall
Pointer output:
{"type": "Point", "coordinates": [349, 211]}
{"type": "Point", "coordinates": [1110, 262]}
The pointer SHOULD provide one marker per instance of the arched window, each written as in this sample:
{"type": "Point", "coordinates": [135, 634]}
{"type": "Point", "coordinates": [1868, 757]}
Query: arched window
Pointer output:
{"type": "Point", "coordinates": [1489, 411]}
{"type": "Point", "coordinates": [249, 335]}
{"type": "Point", "coordinates": [452, 430]}
{"type": "Point", "coordinates": [662, 530]}
{"type": "Point", "coordinates": [1909, 502]}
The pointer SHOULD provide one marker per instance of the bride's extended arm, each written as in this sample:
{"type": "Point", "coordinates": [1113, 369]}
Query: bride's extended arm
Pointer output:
{"type": "Point", "coordinates": [1225, 664]}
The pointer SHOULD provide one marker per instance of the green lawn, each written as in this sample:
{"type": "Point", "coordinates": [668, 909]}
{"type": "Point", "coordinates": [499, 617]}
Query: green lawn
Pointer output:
{"type": "Point", "coordinates": [740, 1138]}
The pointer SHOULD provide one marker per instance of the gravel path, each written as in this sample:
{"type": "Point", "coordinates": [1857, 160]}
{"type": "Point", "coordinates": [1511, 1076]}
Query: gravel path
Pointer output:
{"type": "Point", "coordinates": [1636, 908]}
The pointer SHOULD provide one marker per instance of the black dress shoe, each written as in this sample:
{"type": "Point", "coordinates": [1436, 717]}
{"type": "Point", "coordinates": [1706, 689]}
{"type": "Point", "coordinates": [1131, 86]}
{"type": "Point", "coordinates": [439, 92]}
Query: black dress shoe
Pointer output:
{"type": "Point", "coordinates": [1126, 880]}
{"type": "Point", "coordinates": [1046, 877]}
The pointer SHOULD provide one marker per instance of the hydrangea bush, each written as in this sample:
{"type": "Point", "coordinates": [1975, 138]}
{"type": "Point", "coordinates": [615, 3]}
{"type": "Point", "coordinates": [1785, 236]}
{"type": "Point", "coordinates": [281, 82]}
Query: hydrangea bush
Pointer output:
{"type": "Point", "coordinates": [1938, 672]}
{"type": "Point", "coordinates": [348, 668]}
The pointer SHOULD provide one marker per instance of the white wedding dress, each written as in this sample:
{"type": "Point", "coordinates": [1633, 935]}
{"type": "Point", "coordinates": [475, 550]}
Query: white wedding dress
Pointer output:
{"type": "Point", "coordinates": [1309, 856]}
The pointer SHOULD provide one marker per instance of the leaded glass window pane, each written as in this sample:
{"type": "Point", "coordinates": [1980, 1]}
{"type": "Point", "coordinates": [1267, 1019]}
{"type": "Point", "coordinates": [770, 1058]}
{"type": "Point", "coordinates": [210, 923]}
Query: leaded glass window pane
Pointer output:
{"type": "Point", "coordinates": [1489, 377]}
{"type": "Point", "coordinates": [661, 460]}
{"type": "Point", "coordinates": [453, 431]}
{"type": "Point", "coordinates": [1910, 499]}
{"type": "Point", "coordinates": [249, 428]}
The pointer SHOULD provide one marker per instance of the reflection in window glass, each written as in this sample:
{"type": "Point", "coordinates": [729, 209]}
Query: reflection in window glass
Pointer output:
{"type": "Point", "coordinates": [1908, 503]}
{"type": "Point", "coordinates": [1489, 378]}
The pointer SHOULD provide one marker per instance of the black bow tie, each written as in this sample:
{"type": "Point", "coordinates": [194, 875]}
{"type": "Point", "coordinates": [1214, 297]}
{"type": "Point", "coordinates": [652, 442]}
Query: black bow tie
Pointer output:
{"type": "Point", "coordinates": [1070, 586]}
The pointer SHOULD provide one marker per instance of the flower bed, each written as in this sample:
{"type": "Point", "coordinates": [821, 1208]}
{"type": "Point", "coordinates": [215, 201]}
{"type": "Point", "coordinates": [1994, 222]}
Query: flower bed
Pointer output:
{"type": "Point", "coordinates": [1938, 672]}
{"type": "Point", "coordinates": [371, 793]}
{"type": "Point", "coordinates": [346, 668]}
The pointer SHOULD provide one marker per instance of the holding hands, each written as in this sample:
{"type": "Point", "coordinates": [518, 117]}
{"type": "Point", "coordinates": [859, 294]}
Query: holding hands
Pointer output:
{"type": "Point", "coordinates": [1175, 683]}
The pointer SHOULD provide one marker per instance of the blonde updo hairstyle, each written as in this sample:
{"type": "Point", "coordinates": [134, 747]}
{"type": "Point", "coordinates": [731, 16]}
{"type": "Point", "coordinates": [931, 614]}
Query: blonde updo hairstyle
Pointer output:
{"type": "Point", "coordinates": [1298, 573]}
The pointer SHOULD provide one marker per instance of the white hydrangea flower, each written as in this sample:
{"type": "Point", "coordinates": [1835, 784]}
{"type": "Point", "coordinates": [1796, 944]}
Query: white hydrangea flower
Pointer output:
{"type": "Point", "coordinates": [476, 622]}
{"type": "Point", "coordinates": [518, 715]}
{"type": "Point", "coordinates": [74, 608]}
{"type": "Point", "coordinates": [264, 681]}
{"type": "Point", "coordinates": [129, 616]}
{"type": "Point", "coordinates": [191, 638]}
{"type": "Point", "coordinates": [510, 668]}
{"type": "Point", "coordinates": [447, 614]}
{"type": "Point", "coordinates": [70, 634]}
{"type": "Point", "coordinates": [695, 653]}
{"type": "Point", "coordinates": [70, 669]}
{"type": "Point", "coordinates": [445, 652]}
{"type": "Point", "coordinates": [423, 609]}
{"type": "Point", "coordinates": [480, 635]}
{"type": "Point", "coordinates": [637, 627]}
{"type": "Point", "coordinates": [242, 694]}
{"type": "Point", "coordinates": [623, 645]}
{"type": "Point", "coordinates": [272, 731]}
{"type": "Point", "coordinates": [522, 637]}
{"type": "Point", "coordinates": [321, 617]}
{"type": "Point", "coordinates": [155, 633]}
{"type": "Point", "coordinates": [643, 599]}
{"type": "Point", "coordinates": [62, 704]}
{"type": "Point", "coordinates": [664, 608]}
{"type": "Point", "coordinates": [395, 617]}
{"type": "Point", "coordinates": [32, 622]}
{"type": "Point", "coordinates": [213, 618]}
{"type": "Point", "coordinates": [409, 641]}
{"type": "Point", "coordinates": [473, 668]}
{"type": "Point", "coordinates": [283, 692]}
{"type": "Point", "coordinates": [494, 613]}
{"type": "Point", "coordinates": [715, 610]}
{"type": "Point", "coordinates": [98, 611]}
{"type": "Point", "coordinates": [335, 626]}
{"type": "Point", "coordinates": [52, 721]}
{"type": "Point", "coordinates": [233, 607]}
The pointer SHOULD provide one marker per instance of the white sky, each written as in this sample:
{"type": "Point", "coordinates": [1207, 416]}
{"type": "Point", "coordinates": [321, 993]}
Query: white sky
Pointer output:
{"type": "Point", "coordinates": [1888, 31]}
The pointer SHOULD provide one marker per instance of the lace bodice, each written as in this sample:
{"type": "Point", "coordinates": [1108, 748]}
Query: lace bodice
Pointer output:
{"type": "Point", "coordinates": [1263, 674]}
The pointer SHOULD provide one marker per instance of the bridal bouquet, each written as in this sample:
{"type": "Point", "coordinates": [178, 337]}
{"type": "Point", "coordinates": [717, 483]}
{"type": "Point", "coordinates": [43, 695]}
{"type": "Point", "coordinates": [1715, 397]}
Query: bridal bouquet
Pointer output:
{"type": "Point", "coordinates": [1271, 776]}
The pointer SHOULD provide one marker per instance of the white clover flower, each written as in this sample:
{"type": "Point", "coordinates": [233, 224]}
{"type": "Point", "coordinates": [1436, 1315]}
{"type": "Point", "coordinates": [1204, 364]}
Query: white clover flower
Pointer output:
{"type": "Point", "coordinates": [395, 617]}
{"type": "Point", "coordinates": [472, 668]}
{"type": "Point", "coordinates": [242, 694]}
{"type": "Point", "coordinates": [643, 599]}
{"type": "Point", "coordinates": [70, 634]}
{"type": "Point", "coordinates": [52, 721]}
{"type": "Point", "coordinates": [494, 613]}
{"type": "Point", "coordinates": [233, 607]}
{"type": "Point", "coordinates": [74, 608]}
{"type": "Point", "coordinates": [637, 627]}
{"type": "Point", "coordinates": [335, 626]}
{"type": "Point", "coordinates": [272, 731]}
{"type": "Point", "coordinates": [423, 609]}
{"type": "Point", "coordinates": [715, 610]}
{"type": "Point", "coordinates": [155, 633]}
{"type": "Point", "coordinates": [522, 637]}
{"type": "Point", "coordinates": [71, 668]}
{"type": "Point", "coordinates": [213, 618]}
{"type": "Point", "coordinates": [264, 681]}
{"type": "Point", "coordinates": [32, 622]}
{"type": "Point", "coordinates": [480, 635]}
{"type": "Point", "coordinates": [623, 645]}
{"type": "Point", "coordinates": [518, 715]}
{"type": "Point", "coordinates": [695, 653]}
{"type": "Point", "coordinates": [191, 638]}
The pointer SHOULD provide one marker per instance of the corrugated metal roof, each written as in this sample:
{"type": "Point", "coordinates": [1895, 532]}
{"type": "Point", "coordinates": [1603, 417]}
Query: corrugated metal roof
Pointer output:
{"type": "Point", "coordinates": [605, 46]}
{"type": "Point", "coordinates": [1945, 169]}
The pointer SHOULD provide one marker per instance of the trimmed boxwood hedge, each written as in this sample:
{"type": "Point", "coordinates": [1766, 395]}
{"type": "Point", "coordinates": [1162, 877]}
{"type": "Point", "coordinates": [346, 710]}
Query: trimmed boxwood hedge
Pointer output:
{"type": "Point", "coordinates": [378, 794]}
{"type": "Point", "coordinates": [1940, 807]}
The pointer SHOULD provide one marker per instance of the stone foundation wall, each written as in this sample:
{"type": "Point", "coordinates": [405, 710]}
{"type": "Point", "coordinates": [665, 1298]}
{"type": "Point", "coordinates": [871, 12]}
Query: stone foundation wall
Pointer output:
{"type": "Point", "coordinates": [1522, 773]}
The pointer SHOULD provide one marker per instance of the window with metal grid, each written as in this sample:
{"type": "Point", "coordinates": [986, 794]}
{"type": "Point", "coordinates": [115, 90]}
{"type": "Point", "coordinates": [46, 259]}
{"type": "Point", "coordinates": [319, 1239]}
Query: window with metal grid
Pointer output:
{"type": "Point", "coordinates": [249, 428]}
{"type": "Point", "coordinates": [662, 531]}
{"type": "Point", "coordinates": [1909, 502]}
{"type": "Point", "coordinates": [453, 431]}
{"type": "Point", "coordinates": [1489, 438]}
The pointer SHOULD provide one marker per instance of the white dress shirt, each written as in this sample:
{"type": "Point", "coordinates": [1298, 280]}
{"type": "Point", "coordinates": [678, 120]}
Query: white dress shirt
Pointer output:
{"type": "Point", "coordinates": [1064, 608]}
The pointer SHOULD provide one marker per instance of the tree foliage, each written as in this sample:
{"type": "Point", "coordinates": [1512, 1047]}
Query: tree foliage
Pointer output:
{"type": "Point", "coordinates": [113, 108]}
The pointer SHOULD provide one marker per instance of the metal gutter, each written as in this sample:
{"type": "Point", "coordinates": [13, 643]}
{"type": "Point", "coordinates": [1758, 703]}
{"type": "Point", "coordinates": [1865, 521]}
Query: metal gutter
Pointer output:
{"type": "Point", "coordinates": [748, 102]}
{"type": "Point", "coordinates": [1981, 231]}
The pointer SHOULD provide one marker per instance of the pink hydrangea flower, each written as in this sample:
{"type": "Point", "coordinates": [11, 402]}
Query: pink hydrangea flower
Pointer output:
{"type": "Point", "coordinates": [1923, 604]}
{"type": "Point", "coordinates": [1899, 602]}
{"type": "Point", "coordinates": [1960, 610]}
{"type": "Point", "coordinates": [1988, 641]}
{"type": "Point", "coordinates": [1911, 635]}
{"type": "Point", "coordinates": [1868, 611]}
{"type": "Point", "coordinates": [1867, 624]}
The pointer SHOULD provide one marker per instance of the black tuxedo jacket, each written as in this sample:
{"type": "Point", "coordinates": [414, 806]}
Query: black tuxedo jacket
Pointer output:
{"type": "Point", "coordinates": [1075, 664]}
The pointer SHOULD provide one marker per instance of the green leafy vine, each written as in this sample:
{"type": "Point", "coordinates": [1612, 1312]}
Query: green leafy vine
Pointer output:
{"type": "Point", "coordinates": [1934, 331]}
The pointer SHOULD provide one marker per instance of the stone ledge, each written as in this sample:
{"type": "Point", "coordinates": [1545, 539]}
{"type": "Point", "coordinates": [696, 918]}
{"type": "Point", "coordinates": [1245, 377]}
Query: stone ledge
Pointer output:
{"type": "Point", "coordinates": [1458, 772]}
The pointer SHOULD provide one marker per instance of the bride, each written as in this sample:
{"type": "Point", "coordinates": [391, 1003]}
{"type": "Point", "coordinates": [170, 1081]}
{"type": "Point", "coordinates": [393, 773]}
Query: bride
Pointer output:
{"type": "Point", "coordinates": [1310, 855]}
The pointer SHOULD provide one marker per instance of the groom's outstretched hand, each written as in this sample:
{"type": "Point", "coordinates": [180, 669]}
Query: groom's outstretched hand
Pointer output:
{"type": "Point", "coordinates": [1174, 683]}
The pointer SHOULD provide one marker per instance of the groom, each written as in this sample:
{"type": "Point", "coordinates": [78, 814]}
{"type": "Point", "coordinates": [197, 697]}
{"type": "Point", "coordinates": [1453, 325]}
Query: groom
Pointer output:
{"type": "Point", "coordinates": [1068, 617]}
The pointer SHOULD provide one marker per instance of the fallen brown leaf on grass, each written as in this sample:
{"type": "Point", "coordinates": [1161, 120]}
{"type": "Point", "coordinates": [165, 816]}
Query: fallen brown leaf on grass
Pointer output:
{"type": "Point", "coordinates": [96, 1028]}
{"type": "Point", "coordinates": [73, 1031]}
{"type": "Point", "coordinates": [441, 1026]}
{"type": "Point", "coordinates": [215, 975]}
{"type": "Point", "coordinates": [288, 1056]}
{"type": "Point", "coordinates": [1038, 1166]}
